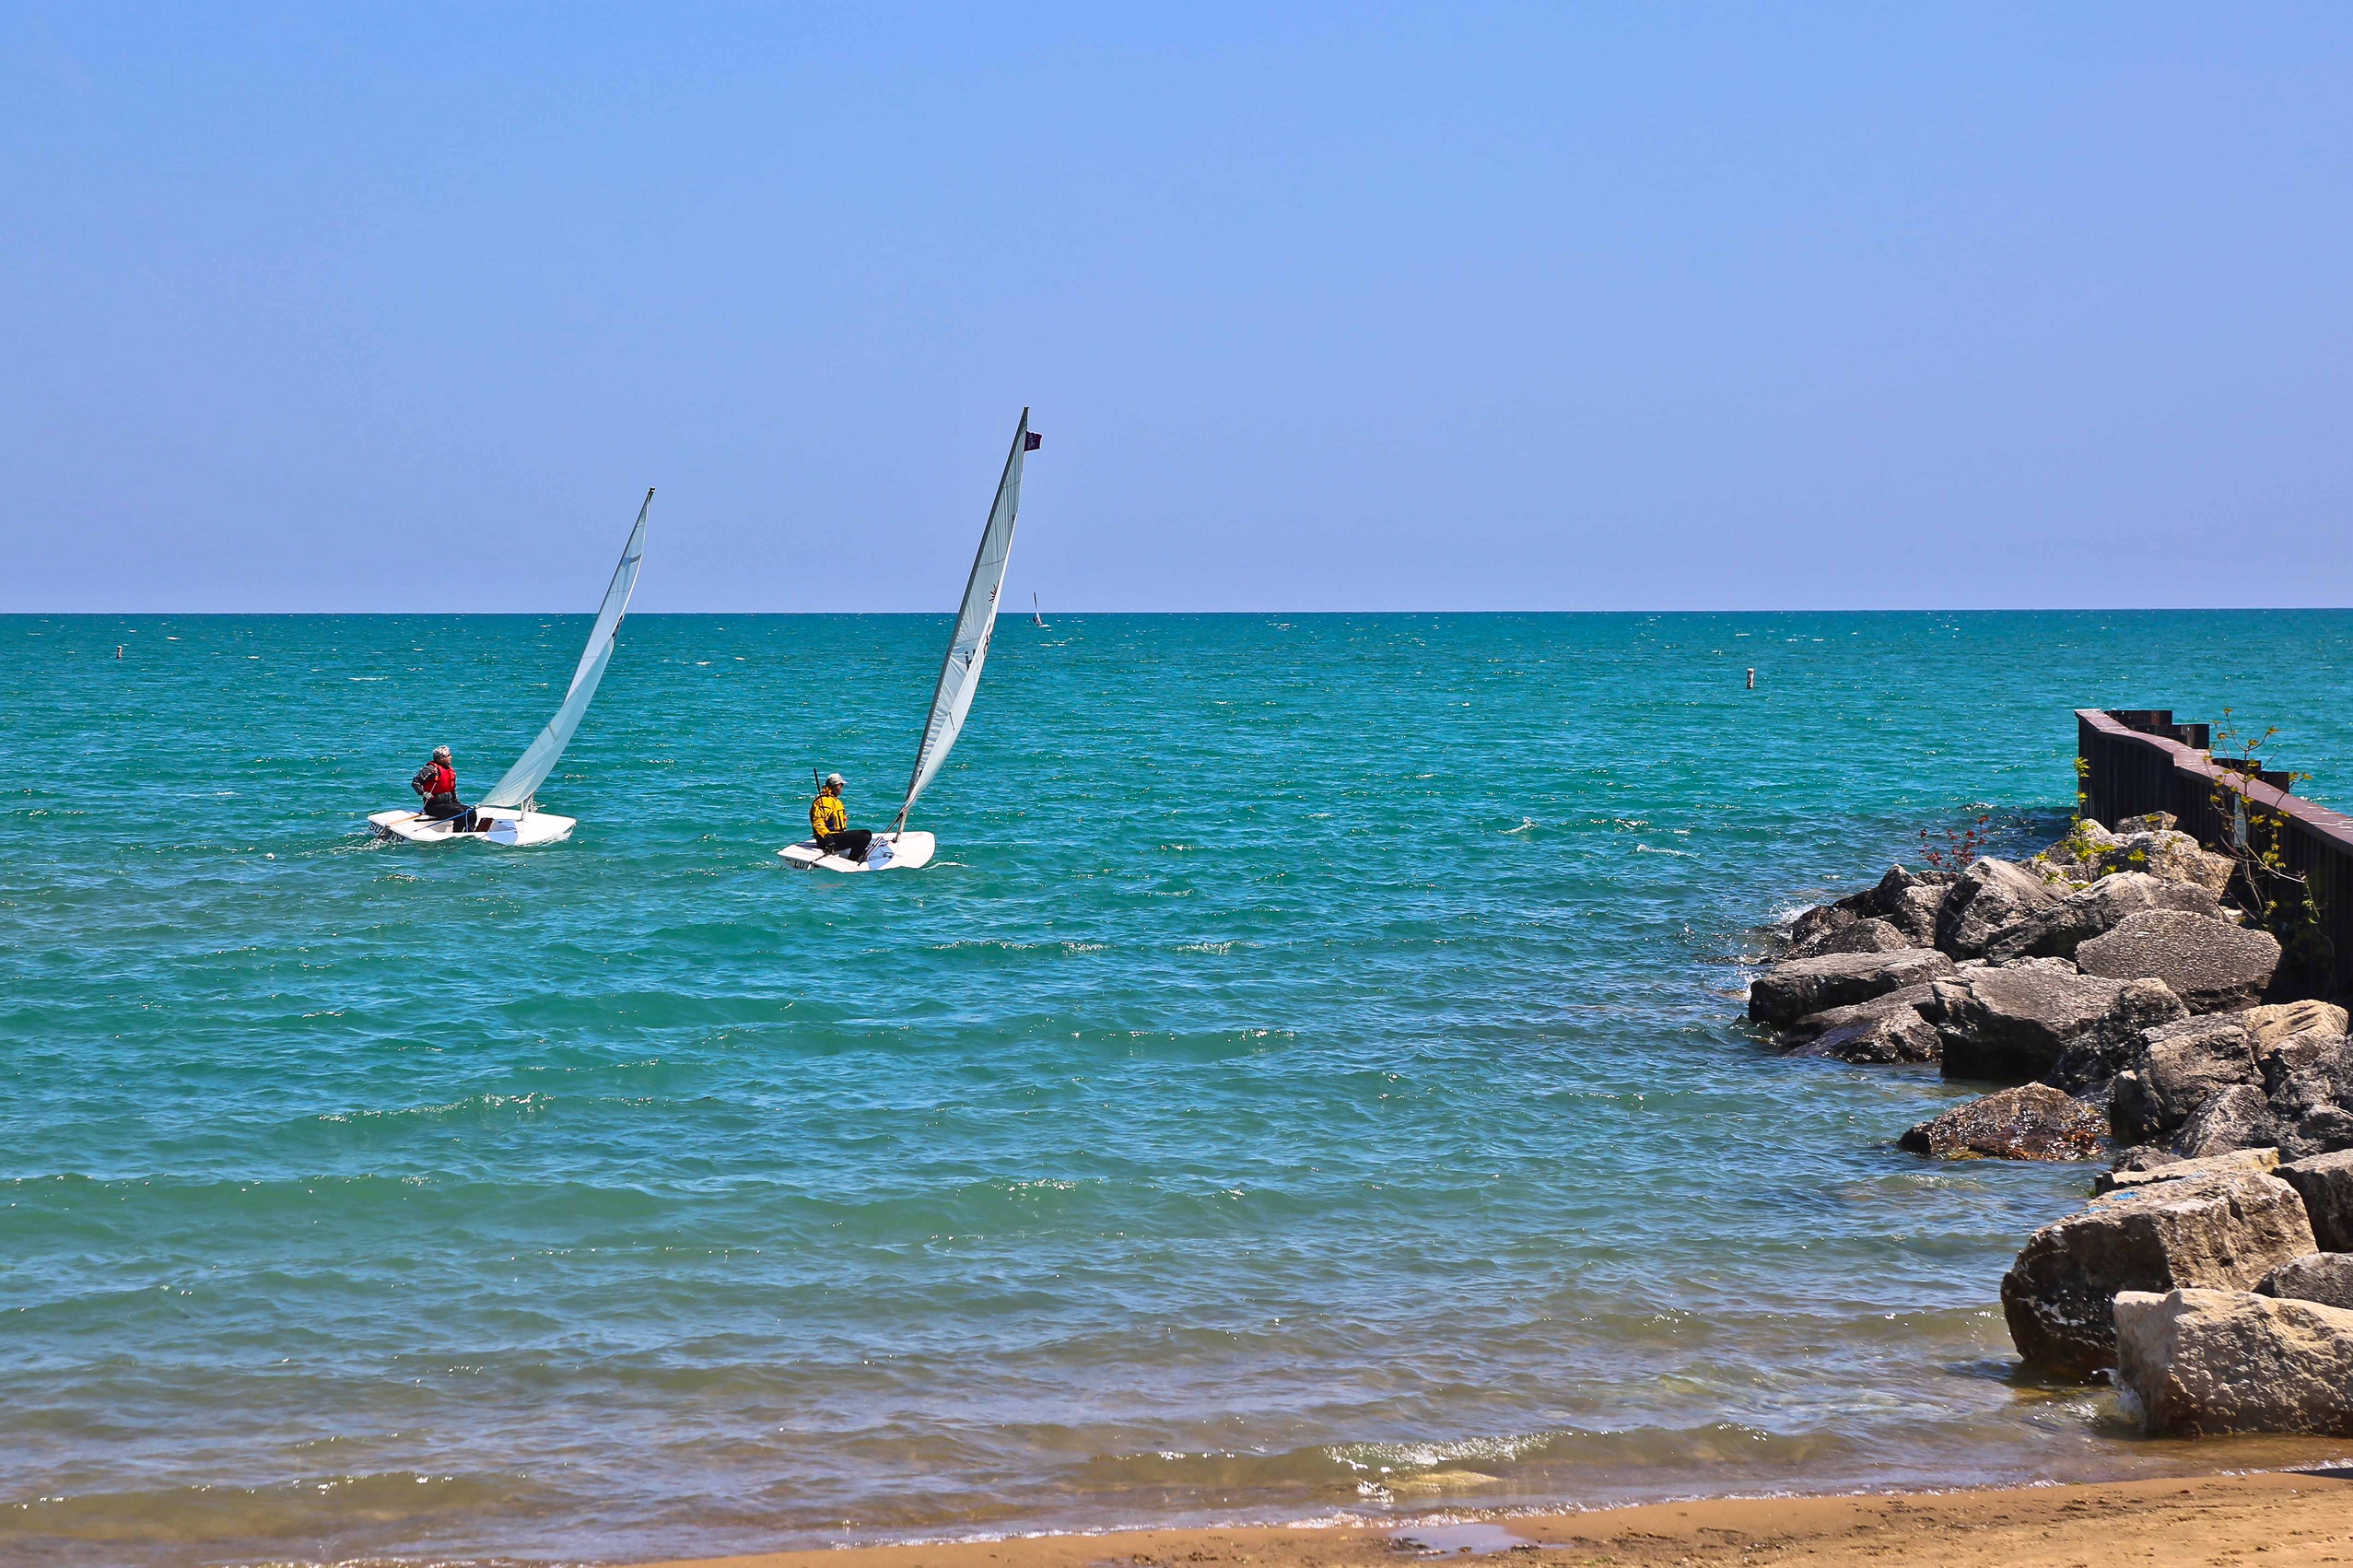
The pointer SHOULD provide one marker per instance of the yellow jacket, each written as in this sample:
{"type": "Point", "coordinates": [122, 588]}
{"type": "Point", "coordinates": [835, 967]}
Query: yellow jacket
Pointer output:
{"type": "Point", "coordinates": [827, 814]}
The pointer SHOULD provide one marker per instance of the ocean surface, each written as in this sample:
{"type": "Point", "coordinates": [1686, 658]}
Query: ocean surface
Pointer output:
{"type": "Point", "coordinates": [1310, 1080]}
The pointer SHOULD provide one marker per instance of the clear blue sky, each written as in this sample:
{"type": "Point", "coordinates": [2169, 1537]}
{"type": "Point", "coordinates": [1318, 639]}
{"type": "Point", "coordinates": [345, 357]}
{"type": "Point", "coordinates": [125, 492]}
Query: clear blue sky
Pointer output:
{"type": "Point", "coordinates": [1632, 306]}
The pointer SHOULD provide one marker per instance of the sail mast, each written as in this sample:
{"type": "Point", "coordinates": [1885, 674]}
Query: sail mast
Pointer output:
{"type": "Point", "coordinates": [976, 619]}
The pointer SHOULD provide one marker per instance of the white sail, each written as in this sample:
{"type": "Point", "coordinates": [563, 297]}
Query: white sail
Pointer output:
{"type": "Point", "coordinates": [968, 644]}
{"type": "Point", "coordinates": [532, 769]}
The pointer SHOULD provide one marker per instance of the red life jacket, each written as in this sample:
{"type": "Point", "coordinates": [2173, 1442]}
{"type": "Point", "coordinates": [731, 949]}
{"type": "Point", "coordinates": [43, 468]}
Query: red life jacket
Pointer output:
{"type": "Point", "coordinates": [445, 780]}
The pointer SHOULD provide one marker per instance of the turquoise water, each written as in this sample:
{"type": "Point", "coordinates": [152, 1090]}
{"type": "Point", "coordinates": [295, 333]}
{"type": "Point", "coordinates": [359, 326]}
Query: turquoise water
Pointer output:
{"type": "Point", "coordinates": [1312, 1063]}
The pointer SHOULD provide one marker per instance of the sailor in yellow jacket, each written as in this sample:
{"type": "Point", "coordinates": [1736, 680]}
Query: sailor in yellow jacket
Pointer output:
{"type": "Point", "coordinates": [829, 820]}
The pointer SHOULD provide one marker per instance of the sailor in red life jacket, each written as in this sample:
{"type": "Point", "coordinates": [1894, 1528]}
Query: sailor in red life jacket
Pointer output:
{"type": "Point", "coordinates": [437, 782]}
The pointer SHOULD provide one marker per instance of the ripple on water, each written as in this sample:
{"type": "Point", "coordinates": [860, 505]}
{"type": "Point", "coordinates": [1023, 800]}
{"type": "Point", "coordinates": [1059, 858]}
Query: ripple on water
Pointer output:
{"type": "Point", "coordinates": [1310, 1078]}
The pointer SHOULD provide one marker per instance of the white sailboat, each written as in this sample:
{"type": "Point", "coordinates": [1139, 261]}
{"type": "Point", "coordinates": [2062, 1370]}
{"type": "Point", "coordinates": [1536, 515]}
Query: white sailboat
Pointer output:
{"type": "Point", "coordinates": [1036, 618]}
{"type": "Point", "coordinates": [897, 847]}
{"type": "Point", "coordinates": [511, 813]}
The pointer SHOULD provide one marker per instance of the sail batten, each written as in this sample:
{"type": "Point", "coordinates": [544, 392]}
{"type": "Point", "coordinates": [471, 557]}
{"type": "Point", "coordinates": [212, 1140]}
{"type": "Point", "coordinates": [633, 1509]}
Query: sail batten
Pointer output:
{"type": "Point", "coordinates": [976, 619]}
{"type": "Point", "coordinates": [539, 759]}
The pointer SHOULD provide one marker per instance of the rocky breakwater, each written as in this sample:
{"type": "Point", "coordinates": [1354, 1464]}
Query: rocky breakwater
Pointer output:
{"type": "Point", "coordinates": [2132, 1015]}
{"type": "Point", "coordinates": [1982, 969]}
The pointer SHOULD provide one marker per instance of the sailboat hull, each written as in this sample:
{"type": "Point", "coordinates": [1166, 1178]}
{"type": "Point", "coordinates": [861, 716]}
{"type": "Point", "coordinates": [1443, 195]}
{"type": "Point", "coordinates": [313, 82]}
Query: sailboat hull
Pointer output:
{"type": "Point", "coordinates": [513, 828]}
{"type": "Point", "coordinates": [909, 852]}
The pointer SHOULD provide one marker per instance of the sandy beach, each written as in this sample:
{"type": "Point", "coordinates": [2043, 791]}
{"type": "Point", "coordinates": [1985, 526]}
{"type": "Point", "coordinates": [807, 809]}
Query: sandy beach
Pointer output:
{"type": "Point", "coordinates": [2285, 1518]}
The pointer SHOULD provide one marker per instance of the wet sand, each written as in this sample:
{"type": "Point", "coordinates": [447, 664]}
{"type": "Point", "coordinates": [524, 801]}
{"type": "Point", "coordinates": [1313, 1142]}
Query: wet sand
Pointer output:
{"type": "Point", "coordinates": [2270, 1519]}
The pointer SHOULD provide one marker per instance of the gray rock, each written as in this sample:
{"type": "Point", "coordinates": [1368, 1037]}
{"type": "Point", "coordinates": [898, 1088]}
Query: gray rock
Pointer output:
{"type": "Point", "coordinates": [1990, 895]}
{"type": "Point", "coordinates": [2058, 930]}
{"type": "Point", "coordinates": [2175, 857]}
{"type": "Point", "coordinates": [2015, 1022]}
{"type": "Point", "coordinates": [1829, 1018]}
{"type": "Point", "coordinates": [2152, 822]}
{"type": "Point", "coordinates": [2035, 965]}
{"type": "Point", "coordinates": [2211, 965]}
{"type": "Point", "coordinates": [2225, 1232]}
{"type": "Point", "coordinates": [2090, 853]}
{"type": "Point", "coordinates": [2032, 1121]}
{"type": "Point", "coordinates": [1786, 992]}
{"type": "Point", "coordinates": [2092, 1060]}
{"type": "Point", "coordinates": [1813, 926]}
{"type": "Point", "coordinates": [2301, 1074]}
{"type": "Point", "coordinates": [2323, 1131]}
{"type": "Point", "coordinates": [2144, 1157]}
{"type": "Point", "coordinates": [2202, 1362]}
{"type": "Point", "coordinates": [1874, 1031]}
{"type": "Point", "coordinates": [2238, 1117]}
{"type": "Point", "coordinates": [2274, 1024]}
{"type": "Point", "coordinates": [1881, 897]}
{"type": "Point", "coordinates": [1907, 899]}
{"type": "Point", "coordinates": [2324, 1277]}
{"type": "Point", "coordinates": [1870, 935]}
{"type": "Point", "coordinates": [2325, 1184]}
{"type": "Point", "coordinates": [2075, 858]}
{"type": "Point", "coordinates": [1913, 911]}
{"type": "Point", "coordinates": [2167, 1166]}
{"type": "Point", "coordinates": [2177, 1068]}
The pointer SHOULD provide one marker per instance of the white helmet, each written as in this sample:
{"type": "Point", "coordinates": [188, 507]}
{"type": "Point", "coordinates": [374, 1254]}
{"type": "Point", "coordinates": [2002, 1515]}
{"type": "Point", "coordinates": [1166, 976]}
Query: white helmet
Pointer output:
{"type": "Point", "coordinates": [836, 778]}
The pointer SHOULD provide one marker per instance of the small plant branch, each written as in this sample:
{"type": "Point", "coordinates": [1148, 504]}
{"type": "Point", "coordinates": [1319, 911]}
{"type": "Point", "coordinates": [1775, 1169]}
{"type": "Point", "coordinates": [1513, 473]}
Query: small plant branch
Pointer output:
{"type": "Point", "coordinates": [1958, 847]}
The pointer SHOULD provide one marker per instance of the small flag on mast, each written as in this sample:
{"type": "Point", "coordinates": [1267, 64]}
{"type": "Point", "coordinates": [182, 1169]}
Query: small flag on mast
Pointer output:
{"type": "Point", "coordinates": [1033, 442]}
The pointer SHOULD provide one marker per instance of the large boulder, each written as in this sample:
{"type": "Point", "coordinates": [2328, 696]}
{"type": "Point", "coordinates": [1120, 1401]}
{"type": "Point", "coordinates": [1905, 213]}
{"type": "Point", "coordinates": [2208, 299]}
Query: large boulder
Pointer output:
{"type": "Point", "coordinates": [2057, 929]}
{"type": "Point", "coordinates": [2324, 1277]}
{"type": "Point", "coordinates": [1786, 992]}
{"type": "Point", "coordinates": [2092, 1060]}
{"type": "Point", "coordinates": [2076, 858]}
{"type": "Point", "coordinates": [2224, 1232]}
{"type": "Point", "coordinates": [2032, 1121]}
{"type": "Point", "coordinates": [2209, 1084]}
{"type": "Point", "coordinates": [2014, 1022]}
{"type": "Point", "coordinates": [1913, 910]}
{"type": "Point", "coordinates": [2325, 1184]}
{"type": "Point", "coordinates": [1990, 895]}
{"type": "Point", "coordinates": [1907, 899]}
{"type": "Point", "coordinates": [1883, 896]}
{"type": "Point", "coordinates": [2177, 1068]}
{"type": "Point", "coordinates": [1812, 927]}
{"type": "Point", "coordinates": [2201, 1361]}
{"type": "Point", "coordinates": [2239, 1117]}
{"type": "Point", "coordinates": [1871, 934]}
{"type": "Point", "coordinates": [1885, 1029]}
{"type": "Point", "coordinates": [2239, 1161]}
{"type": "Point", "coordinates": [2274, 1024]}
{"type": "Point", "coordinates": [2326, 1130]}
{"type": "Point", "coordinates": [2304, 1073]}
{"type": "Point", "coordinates": [2210, 963]}
{"type": "Point", "coordinates": [2171, 857]}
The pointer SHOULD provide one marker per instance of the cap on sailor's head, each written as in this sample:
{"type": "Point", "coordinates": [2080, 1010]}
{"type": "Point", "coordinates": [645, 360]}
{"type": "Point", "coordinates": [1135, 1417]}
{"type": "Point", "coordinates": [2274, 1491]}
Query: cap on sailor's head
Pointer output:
{"type": "Point", "coordinates": [440, 751]}
{"type": "Point", "coordinates": [834, 778]}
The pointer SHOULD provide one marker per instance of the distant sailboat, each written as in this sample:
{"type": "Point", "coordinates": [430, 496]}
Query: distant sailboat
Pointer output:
{"type": "Point", "coordinates": [1034, 618]}
{"type": "Point", "coordinates": [959, 678]}
{"type": "Point", "coordinates": [510, 812]}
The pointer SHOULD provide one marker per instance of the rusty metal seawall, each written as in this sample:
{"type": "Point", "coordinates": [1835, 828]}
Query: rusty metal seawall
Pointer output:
{"type": "Point", "coordinates": [2138, 760]}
